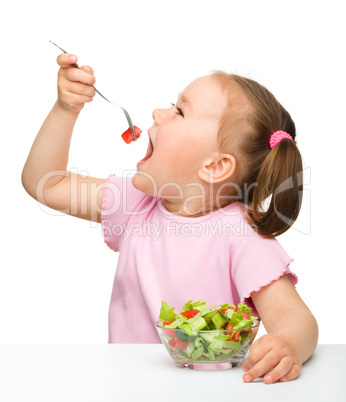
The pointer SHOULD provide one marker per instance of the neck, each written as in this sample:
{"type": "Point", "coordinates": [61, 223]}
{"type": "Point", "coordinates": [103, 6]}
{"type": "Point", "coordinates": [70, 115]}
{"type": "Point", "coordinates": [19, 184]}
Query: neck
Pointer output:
{"type": "Point", "coordinates": [191, 209]}
{"type": "Point", "coordinates": [193, 205]}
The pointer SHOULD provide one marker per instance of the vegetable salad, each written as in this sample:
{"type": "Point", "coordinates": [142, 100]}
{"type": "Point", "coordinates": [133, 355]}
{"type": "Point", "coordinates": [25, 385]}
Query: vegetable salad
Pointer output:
{"type": "Point", "coordinates": [200, 332]}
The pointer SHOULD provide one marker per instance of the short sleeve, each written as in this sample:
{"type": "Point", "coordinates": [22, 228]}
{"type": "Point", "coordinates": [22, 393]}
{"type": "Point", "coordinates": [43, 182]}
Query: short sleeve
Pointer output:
{"type": "Point", "coordinates": [257, 263]}
{"type": "Point", "coordinates": [119, 201]}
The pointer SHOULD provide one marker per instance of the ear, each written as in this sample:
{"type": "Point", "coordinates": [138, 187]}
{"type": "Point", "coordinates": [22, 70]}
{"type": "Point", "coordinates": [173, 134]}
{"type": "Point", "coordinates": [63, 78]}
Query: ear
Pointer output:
{"type": "Point", "coordinates": [218, 170]}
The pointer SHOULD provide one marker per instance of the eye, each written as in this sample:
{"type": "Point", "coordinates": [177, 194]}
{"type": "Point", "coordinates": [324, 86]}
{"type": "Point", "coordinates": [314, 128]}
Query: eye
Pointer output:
{"type": "Point", "coordinates": [179, 111]}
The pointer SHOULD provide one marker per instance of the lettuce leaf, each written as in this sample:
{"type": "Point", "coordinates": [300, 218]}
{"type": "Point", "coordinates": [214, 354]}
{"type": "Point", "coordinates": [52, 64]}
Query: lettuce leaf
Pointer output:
{"type": "Point", "coordinates": [222, 306]}
{"type": "Point", "coordinates": [210, 354]}
{"type": "Point", "coordinates": [198, 352]}
{"type": "Point", "coordinates": [217, 345]}
{"type": "Point", "coordinates": [203, 309]}
{"type": "Point", "coordinates": [221, 337]}
{"type": "Point", "coordinates": [244, 324]}
{"type": "Point", "coordinates": [197, 304]}
{"type": "Point", "coordinates": [186, 327]}
{"type": "Point", "coordinates": [229, 313]}
{"type": "Point", "coordinates": [167, 313]}
{"type": "Point", "coordinates": [175, 323]}
{"type": "Point", "coordinates": [190, 348]}
{"type": "Point", "coordinates": [244, 307]}
{"type": "Point", "coordinates": [187, 306]}
{"type": "Point", "coordinates": [236, 318]}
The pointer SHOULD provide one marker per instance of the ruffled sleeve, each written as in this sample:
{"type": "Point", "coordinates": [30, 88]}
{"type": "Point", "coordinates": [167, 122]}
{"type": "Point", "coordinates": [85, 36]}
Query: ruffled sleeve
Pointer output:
{"type": "Point", "coordinates": [257, 263]}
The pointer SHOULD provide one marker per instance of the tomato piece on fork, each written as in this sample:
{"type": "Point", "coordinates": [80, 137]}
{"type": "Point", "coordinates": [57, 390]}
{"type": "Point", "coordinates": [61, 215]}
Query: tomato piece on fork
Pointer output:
{"type": "Point", "coordinates": [128, 136]}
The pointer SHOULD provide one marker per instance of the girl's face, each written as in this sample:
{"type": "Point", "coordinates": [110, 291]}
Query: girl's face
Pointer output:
{"type": "Point", "coordinates": [181, 140]}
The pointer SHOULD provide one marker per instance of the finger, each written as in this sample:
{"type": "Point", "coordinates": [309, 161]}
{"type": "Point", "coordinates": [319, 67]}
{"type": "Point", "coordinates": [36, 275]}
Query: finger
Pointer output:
{"type": "Point", "coordinates": [87, 69]}
{"type": "Point", "coordinates": [292, 374]}
{"type": "Point", "coordinates": [257, 352]}
{"type": "Point", "coordinates": [80, 89]}
{"type": "Point", "coordinates": [79, 99]}
{"type": "Point", "coordinates": [78, 75]}
{"type": "Point", "coordinates": [66, 60]}
{"type": "Point", "coordinates": [269, 361]}
{"type": "Point", "coordinates": [284, 366]}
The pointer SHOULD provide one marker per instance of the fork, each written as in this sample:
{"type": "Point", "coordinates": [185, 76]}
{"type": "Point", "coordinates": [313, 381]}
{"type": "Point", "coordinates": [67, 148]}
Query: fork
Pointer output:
{"type": "Point", "coordinates": [128, 118]}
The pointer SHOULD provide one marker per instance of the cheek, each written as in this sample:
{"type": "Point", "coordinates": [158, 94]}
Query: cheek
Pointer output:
{"type": "Point", "coordinates": [167, 148]}
{"type": "Point", "coordinates": [175, 159]}
{"type": "Point", "coordinates": [182, 153]}
{"type": "Point", "coordinates": [175, 142]}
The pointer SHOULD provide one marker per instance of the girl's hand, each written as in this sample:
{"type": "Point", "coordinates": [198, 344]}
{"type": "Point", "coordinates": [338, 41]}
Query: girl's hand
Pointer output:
{"type": "Point", "coordinates": [272, 352]}
{"type": "Point", "coordinates": [75, 85]}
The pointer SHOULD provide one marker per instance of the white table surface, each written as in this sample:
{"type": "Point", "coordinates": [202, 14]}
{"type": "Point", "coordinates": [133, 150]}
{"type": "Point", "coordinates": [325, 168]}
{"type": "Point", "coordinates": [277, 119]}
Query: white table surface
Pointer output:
{"type": "Point", "coordinates": [117, 372]}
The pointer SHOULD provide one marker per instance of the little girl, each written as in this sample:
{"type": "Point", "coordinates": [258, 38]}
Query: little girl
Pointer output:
{"type": "Point", "coordinates": [190, 224]}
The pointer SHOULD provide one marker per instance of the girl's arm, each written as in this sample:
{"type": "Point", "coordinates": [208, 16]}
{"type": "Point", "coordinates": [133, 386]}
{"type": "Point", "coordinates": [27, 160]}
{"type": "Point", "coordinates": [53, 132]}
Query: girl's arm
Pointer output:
{"type": "Point", "coordinates": [44, 175]}
{"type": "Point", "coordinates": [291, 338]}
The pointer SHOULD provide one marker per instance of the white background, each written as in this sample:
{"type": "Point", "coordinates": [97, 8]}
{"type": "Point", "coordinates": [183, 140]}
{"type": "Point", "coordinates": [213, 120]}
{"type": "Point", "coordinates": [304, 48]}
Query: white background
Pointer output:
{"type": "Point", "coordinates": [56, 273]}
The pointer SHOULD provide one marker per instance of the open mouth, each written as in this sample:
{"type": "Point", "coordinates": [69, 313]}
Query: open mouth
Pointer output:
{"type": "Point", "coordinates": [149, 153]}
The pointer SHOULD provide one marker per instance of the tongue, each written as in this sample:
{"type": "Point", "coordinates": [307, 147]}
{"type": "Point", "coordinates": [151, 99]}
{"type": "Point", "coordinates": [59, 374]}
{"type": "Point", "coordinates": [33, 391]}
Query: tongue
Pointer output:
{"type": "Point", "coordinates": [147, 156]}
{"type": "Point", "coordinates": [150, 151]}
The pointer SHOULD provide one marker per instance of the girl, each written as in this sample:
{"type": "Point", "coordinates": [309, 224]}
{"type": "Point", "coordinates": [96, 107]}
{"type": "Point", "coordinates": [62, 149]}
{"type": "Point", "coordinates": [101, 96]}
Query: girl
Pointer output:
{"type": "Point", "coordinates": [190, 224]}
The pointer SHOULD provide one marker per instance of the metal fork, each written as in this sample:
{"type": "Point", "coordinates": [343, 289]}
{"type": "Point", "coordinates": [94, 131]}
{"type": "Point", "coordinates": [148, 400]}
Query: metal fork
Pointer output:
{"type": "Point", "coordinates": [128, 118]}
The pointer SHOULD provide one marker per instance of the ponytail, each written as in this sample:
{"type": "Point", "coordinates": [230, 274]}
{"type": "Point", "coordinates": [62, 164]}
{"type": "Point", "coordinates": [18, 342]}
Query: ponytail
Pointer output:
{"type": "Point", "coordinates": [252, 115]}
{"type": "Point", "coordinates": [280, 177]}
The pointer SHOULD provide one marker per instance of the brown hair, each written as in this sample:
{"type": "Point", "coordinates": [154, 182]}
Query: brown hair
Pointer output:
{"type": "Point", "coordinates": [251, 116]}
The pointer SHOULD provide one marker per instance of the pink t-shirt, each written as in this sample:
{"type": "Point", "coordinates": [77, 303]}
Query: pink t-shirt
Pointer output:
{"type": "Point", "coordinates": [216, 258]}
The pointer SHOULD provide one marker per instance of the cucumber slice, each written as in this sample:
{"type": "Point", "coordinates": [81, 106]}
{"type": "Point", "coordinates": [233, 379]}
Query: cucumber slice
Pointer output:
{"type": "Point", "coordinates": [219, 319]}
{"type": "Point", "coordinates": [183, 336]}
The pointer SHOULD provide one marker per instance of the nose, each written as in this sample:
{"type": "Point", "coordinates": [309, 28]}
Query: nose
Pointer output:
{"type": "Point", "coordinates": [158, 115]}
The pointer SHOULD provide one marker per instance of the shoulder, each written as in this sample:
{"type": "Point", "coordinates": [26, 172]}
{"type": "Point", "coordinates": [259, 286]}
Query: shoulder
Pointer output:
{"type": "Point", "coordinates": [233, 222]}
{"type": "Point", "coordinates": [242, 237]}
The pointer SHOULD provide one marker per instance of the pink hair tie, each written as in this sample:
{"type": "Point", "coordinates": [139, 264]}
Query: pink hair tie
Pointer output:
{"type": "Point", "coordinates": [276, 137]}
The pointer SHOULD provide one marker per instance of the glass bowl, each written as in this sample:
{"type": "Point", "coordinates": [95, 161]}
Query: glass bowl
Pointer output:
{"type": "Point", "coordinates": [207, 350]}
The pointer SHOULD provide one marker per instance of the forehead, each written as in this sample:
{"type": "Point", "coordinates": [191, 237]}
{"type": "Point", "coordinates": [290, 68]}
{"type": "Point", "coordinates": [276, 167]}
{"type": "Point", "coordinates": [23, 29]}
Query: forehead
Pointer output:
{"type": "Point", "coordinates": [205, 96]}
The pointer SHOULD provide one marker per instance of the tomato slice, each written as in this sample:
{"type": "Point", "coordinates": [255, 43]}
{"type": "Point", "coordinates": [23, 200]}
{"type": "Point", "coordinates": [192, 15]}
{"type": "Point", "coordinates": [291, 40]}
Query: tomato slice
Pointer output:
{"type": "Point", "coordinates": [229, 330]}
{"type": "Point", "coordinates": [172, 342]}
{"type": "Point", "coordinates": [190, 313]}
{"type": "Point", "coordinates": [245, 315]}
{"type": "Point", "coordinates": [168, 331]}
{"type": "Point", "coordinates": [178, 344]}
{"type": "Point", "coordinates": [128, 136]}
{"type": "Point", "coordinates": [235, 337]}
{"type": "Point", "coordinates": [181, 344]}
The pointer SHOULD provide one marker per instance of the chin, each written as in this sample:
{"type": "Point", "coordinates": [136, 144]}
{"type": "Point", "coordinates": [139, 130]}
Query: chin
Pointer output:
{"type": "Point", "coordinates": [144, 184]}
